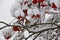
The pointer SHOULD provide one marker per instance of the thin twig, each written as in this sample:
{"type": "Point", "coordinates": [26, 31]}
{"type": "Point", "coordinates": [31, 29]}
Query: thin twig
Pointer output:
{"type": "Point", "coordinates": [41, 24]}
{"type": "Point", "coordinates": [3, 22]}
{"type": "Point", "coordinates": [37, 36]}
{"type": "Point", "coordinates": [30, 36]}
{"type": "Point", "coordinates": [12, 21]}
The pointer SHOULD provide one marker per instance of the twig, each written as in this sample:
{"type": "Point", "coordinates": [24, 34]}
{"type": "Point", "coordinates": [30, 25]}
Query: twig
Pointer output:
{"type": "Point", "coordinates": [3, 22]}
{"type": "Point", "coordinates": [12, 21]}
{"type": "Point", "coordinates": [57, 25]}
{"type": "Point", "coordinates": [30, 36]}
{"type": "Point", "coordinates": [41, 24]}
{"type": "Point", "coordinates": [3, 27]}
{"type": "Point", "coordinates": [37, 36]}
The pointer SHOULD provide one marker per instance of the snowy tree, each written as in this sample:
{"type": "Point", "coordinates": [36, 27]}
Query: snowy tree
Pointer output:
{"type": "Point", "coordinates": [34, 20]}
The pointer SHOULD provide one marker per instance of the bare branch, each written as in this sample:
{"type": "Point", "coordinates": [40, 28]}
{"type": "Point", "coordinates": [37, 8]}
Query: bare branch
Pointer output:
{"type": "Point", "coordinates": [41, 24]}
{"type": "Point", "coordinates": [30, 36]}
{"type": "Point", "coordinates": [12, 21]}
{"type": "Point", "coordinates": [37, 36]}
{"type": "Point", "coordinates": [3, 22]}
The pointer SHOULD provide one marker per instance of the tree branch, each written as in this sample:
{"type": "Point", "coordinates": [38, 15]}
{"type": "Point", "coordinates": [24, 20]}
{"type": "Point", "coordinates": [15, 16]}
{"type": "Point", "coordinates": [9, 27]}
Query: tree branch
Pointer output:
{"type": "Point", "coordinates": [3, 23]}
{"type": "Point", "coordinates": [25, 27]}
{"type": "Point", "coordinates": [30, 36]}
{"type": "Point", "coordinates": [37, 36]}
{"type": "Point", "coordinates": [41, 24]}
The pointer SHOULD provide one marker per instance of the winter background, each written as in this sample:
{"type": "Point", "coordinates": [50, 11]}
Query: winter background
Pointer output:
{"type": "Point", "coordinates": [5, 14]}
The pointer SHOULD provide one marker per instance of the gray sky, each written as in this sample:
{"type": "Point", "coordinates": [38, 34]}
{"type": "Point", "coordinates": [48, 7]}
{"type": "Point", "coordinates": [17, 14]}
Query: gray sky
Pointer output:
{"type": "Point", "coordinates": [5, 14]}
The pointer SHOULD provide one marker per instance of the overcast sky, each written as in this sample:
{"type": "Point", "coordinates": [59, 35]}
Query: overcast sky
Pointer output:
{"type": "Point", "coordinates": [5, 14]}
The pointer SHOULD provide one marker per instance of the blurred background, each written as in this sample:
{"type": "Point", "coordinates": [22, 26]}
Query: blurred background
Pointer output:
{"type": "Point", "coordinates": [5, 14]}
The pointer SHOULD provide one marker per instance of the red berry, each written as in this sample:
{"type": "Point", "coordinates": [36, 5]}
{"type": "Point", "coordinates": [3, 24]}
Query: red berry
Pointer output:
{"type": "Point", "coordinates": [19, 17]}
{"type": "Point", "coordinates": [54, 6]}
{"type": "Point", "coordinates": [25, 2]}
{"type": "Point", "coordinates": [43, 5]}
{"type": "Point", "coordinates": [40, 0]}
{"type": "Point", "coordinates": [15, 28]}
{"type": "Point", "coordinates": [34, 1]}
{"type": "Point", "coordinates": [8, 36]}
{"type": "Point", "coordinates": [37, 16]}
{"type": "Point", "coordinates": [33, 16]}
